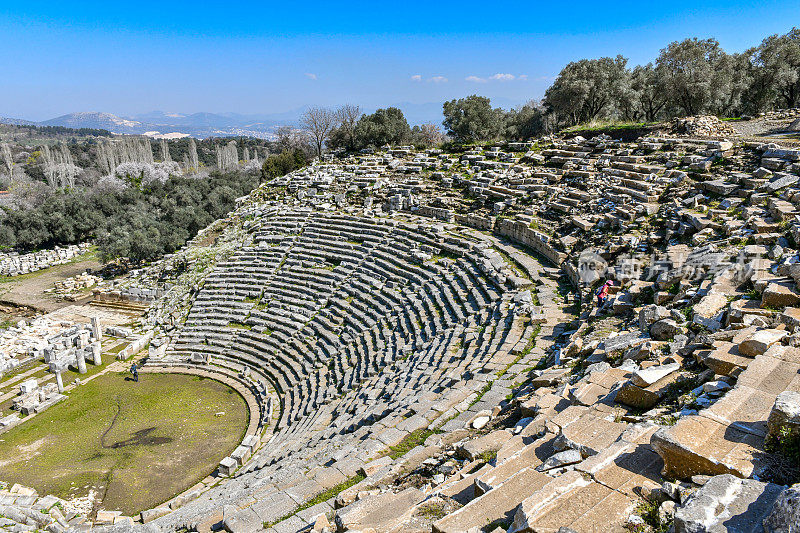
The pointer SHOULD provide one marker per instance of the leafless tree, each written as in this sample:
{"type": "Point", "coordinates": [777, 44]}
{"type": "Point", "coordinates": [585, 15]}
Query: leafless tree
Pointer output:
{"type": "Point", "coordinates": [194, 163]}
{"type": "Point", "coordinates": [227, 156]}
{"type": "Point", "coordinates": [318, 121]}
{"type": "Point", "coordinates": [8, 159]}
{"type": "Point", "coordinates": [165, 151]}
{"type": "Point", "coordinates": [431, 135]}
{"type": "Point", "coordinates": [348, 116]}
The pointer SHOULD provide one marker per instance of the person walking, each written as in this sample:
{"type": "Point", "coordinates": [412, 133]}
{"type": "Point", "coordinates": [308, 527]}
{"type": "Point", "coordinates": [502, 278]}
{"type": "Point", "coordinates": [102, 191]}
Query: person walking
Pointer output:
{"type": "Point", "coordinates": [602, 293]}
{"type": "Point", "coordinates": [135, 372]}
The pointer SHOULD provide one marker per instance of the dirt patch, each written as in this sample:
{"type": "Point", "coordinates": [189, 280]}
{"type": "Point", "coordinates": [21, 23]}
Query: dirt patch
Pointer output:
{"type": "Point", "coordinates": [28, 290]}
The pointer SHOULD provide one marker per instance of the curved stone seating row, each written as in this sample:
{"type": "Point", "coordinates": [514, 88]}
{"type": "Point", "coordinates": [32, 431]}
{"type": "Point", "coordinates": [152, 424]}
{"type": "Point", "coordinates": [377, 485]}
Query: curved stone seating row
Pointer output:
{"type": "Point", "coordinates": [356, 336]}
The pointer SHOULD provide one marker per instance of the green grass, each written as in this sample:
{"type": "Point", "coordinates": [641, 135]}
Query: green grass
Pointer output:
{"type": "Point", "coordinates": [118, 348]}
{"type": "Point", "coordinates": [608, 126]}
{"type": "Point", "coordinates": [410, 441]}
{"type": "Point", "coordinates": [136, 444]}
{"type": "Point", "coordinates": [648, 510]}
{"type": "Point", "coordinates": [71, 373]}
{"type": "Point", "coordinates": [432, 511]}
{"type": "Point", "coordinates": [90, 254]}
{"type": "Point", "coordinates": [488, 456]}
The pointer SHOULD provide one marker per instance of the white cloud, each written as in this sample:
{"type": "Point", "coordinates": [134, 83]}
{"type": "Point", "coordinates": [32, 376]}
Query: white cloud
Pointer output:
{"type": "Point", "coordinates": [502, 77]}
{"type": "Point", "coordinates": [310, 76]}
{"type": "Point", "coordinates": [416, 77]}
{"type": "Point", "coordinates": [497, 77]}
{"type": "Point", "coordinates": [438, 79]}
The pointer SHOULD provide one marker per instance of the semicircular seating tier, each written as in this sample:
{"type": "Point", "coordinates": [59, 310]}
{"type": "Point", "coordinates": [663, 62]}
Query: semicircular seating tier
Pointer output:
{"type": "Point", "coordinates": [367, 330]}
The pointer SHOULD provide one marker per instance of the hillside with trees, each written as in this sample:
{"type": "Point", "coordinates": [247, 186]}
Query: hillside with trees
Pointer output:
{"type": "Point", "coordinates": [139, 197]}
{"type": "Point", "coordinates": [134, 197]}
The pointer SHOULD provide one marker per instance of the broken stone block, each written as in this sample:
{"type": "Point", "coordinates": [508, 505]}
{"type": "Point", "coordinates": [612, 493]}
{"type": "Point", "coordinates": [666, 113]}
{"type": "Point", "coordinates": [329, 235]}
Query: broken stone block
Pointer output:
{"type": "Point", "coordinates": [791, 316]}
{"type": "Point", "coordinates": [647, 376]}
{"type": "Point", "coordinates": [650, 314]}
{"type": "Point", "coordinates": [491, 442]}
{"type": "Point", "coordinates": [777, 295]}
{"type": "Point", "coordinates": [581, 430]}
{"type": "Point", "coordinates": [785, 512]}
{"type": "Point", "coordinates": [727, 503]}
{"type": "Point", "coordinates": [707, 312]}
{"type": "Point", "coordinates": [383, 511]}
{"type": "Point", "coordinates": [567, 457]}
{"type": "Point", "coordinates": [664, 329]}
{"type": "Point", "coordinates": [724, 359]}
{"type": "Point", "coordinates": [760, 341]}
{"type": "Point", "coordinates": [625, 341]}
{"type": "Point", "coordinates": [728, 437]}
{"type": "Point", "coordinates": [785, 415]}
{"type": "Point", "coordinates": [645, 397]}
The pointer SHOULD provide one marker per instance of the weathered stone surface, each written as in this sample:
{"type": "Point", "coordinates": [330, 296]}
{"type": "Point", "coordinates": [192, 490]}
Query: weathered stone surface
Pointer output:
{"type": "Point", "coordinates": [625, 341]}
{"type": "Point", "coordinates": [707, 312]}
{"type": "Point", "coordinates": [647, 376]}
{"type": "Point", "coordinates": [567, 457]}
{"type": "Point", "coordinates": [380, 511]}
{"type": "Point", "coordinates": [760, 341]}
{"type": "Point", "coordinates": [724, 359]}
{"type": "Point", "coordinates": [777, 295]}
{"type": "Point", "coordinates": [490, 442]}
{"type": "Point", "coordinates": [664, 329]}
{"type": "Point", "coordinates": [727, 503]}
{"type": "Point", "coordinates": [650, 314]}
{"type": "Point", "coordinates": [785, 513]}
{"type": "Point", "coordinates": [728, 437]}
{"type": "Point", "coordinates": [785, 414]}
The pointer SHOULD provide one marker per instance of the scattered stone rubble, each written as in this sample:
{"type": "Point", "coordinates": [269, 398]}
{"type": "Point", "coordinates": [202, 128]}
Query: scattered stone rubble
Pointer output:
{"type": "Point", "coordinates": [71, 289]}
{"type": "Point", "coordinates": [702, 126]}
{"type": "Point", "coordinates": [14, 264]}
{"type": "Point", "coordinates": [419, 335]}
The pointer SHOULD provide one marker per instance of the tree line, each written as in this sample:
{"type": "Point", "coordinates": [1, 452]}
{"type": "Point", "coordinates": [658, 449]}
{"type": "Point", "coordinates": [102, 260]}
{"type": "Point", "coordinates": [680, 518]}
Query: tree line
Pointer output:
{"type": "Point", "coordinates": [138, 223]}
{"type": "Point", "coordinates": [689, 77]}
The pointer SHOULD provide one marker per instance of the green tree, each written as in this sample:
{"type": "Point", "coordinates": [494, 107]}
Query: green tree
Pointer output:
{"type": "Point", "coordinates": [587, 89]}
{"type": "Point", "coordinates": [526, 122]}
{"type": "Point", "coordinates": [283, 163]}
{"type": "Point", "coordinates": [384, 126]}
{"type": "Point", "coordinates": [775, 72]}
{"type": "Point", "coordinates": [689, 72]}
{"type": "Point", "coordinates": [472, 119]}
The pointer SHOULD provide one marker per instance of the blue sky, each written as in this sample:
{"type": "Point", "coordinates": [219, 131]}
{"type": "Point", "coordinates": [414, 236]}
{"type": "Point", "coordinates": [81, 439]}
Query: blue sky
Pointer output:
{"type": "Point", "coordinates": [263, 57]}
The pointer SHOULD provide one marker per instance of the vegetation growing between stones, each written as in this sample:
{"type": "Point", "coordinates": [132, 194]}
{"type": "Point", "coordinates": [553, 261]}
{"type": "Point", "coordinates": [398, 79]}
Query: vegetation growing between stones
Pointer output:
{"type": "Point", "coordinates": [648, 511]}
{"type": "Point", "coordinates": [784, 464]}
{"type": "Point", "coordinates": [410, 441]}
{"type": "Point", "coordinates": [319, 498]}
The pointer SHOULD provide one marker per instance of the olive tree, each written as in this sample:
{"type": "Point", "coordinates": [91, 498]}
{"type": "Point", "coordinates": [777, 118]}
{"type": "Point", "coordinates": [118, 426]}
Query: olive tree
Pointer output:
{"type": "Point", "coordinates": [587, 89]}
{"type": "Point", "coordinates": [472, 119]}
{"type": "Point", "coordinates": [689, 73]}
{"type": "Point", "coordinates": [775, 70]}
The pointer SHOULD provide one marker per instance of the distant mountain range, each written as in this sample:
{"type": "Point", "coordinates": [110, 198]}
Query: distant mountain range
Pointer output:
{"type": "Point", "coordinates": [169, 125]}
{"type": "Point", "coordinates": [201, 125]}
